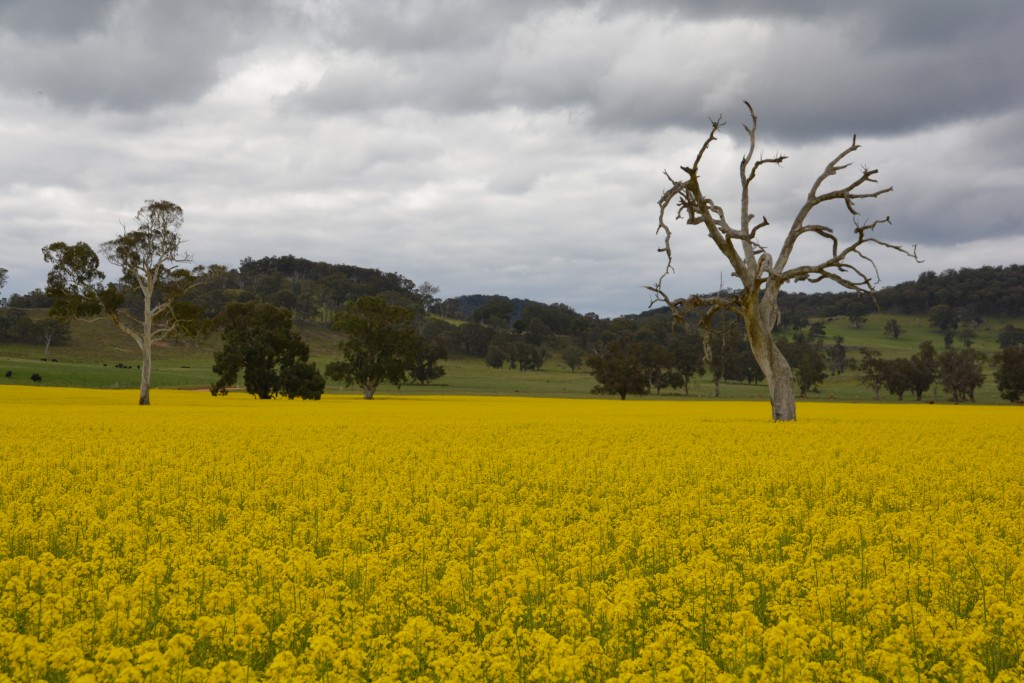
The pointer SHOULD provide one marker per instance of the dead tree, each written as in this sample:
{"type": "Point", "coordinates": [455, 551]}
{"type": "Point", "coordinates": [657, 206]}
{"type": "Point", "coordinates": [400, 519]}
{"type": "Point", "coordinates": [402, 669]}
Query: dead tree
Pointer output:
{"type": "Point", "coordinates": [762, 276]}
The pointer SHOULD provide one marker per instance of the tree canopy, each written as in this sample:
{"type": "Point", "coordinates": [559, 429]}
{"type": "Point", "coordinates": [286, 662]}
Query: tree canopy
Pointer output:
{"type": "Point", "coordinates": [1009, 372]}
{"type": "Point", "coordinates": [259, 341]}
{"type": "Point", "coordinates": [380, 344]}
{"type": "Point", "coordinates": [619, 369]}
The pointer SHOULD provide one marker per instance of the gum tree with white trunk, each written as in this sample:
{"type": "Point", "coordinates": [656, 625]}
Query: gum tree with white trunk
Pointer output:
{"type": "Point", "coordinates": [148, 303]}
{"type": "Point", "coordinates": [762, 276]}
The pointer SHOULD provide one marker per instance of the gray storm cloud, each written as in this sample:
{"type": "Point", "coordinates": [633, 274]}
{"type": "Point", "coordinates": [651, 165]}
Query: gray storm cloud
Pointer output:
{"type": "Point", "coordinates": [494, 146]}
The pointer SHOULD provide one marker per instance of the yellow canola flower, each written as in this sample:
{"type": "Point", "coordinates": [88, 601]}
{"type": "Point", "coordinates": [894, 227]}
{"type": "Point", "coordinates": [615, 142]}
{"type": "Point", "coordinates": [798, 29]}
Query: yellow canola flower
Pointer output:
{"type": "Point", "coordinates": [460, 538]}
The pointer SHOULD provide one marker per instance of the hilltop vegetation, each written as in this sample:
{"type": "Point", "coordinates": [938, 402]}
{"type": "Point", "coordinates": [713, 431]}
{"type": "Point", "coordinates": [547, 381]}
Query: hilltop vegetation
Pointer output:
{"type": "Point", "coordinates": [487, 337]}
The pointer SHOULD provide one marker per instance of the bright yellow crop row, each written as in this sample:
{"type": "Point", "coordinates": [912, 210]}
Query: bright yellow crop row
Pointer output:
{"type": "Point", "coordinates": [470, 539]}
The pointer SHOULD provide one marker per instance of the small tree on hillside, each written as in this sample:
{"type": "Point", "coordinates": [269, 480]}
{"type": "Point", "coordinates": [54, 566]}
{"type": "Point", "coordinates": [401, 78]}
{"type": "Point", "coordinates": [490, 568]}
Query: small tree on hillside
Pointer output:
{"type": "Point", "coordinates": [428, 295]}
{"type": "Point", "coordinates": [380, 344]}
{"type": "Point", "coordinates": [52, 331]}
{"type": "Point", "coordinates": [857, 313]}
{"type": "Point", "coordinates": [148, 303]}
{"type": "Point", "coordinates": [761, 275]}
{"type": "Point", "coordinates": [967, 335]}
{"type": "Point", "coordinates": [572, 355]}
{"type": "Point", "coordinates": [1010, 336]}
{"type": "Point", "coordinates": [892, 328]}
{"type": "Point", "coordinates": [259, 341]}
{"type": "Point", "coordinates": [946, 320]}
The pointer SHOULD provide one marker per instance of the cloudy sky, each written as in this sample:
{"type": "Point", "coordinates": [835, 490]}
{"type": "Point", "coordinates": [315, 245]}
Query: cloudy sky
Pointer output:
{"type": "Point", "coordinates": [501, 146]}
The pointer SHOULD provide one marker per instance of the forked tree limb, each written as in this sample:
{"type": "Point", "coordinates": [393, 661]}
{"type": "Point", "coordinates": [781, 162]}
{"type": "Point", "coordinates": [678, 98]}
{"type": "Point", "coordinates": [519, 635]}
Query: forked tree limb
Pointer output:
{"type": "Point", "coordinates": [750, 261]}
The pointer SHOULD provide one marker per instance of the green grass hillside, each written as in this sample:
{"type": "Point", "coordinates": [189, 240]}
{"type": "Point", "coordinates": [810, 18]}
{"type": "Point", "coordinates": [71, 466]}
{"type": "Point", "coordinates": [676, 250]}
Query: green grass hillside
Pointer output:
{"type": "Point", "coordinates": [100, 356]}
{"type": "Point", "coordinates": [916, 330]}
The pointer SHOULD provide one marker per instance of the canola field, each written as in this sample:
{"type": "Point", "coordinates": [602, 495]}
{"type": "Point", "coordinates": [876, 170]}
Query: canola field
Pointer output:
{"type": "Point", "coordinates": [503, 539]}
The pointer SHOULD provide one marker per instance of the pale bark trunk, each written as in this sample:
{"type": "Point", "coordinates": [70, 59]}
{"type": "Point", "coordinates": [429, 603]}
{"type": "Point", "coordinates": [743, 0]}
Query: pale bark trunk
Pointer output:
{"type": "Point", "coordinates": [147, 366]}
{"type": "Point", "coordinates": [759, 318]}
{"type": "Point", "coordinates": [369, 391]}
{"type": "Point", "coordinates": [780, 386]}
{"type": "Point", "coordinates": [146, 343]}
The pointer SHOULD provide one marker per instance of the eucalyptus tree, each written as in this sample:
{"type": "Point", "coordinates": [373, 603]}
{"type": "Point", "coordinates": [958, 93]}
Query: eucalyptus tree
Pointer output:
{"type": "Point", "coordinates": [148, 303]}
{"type": "Point", "coordinates": [380, 344]}
{"type": "Point", "coordinates": [259, 341]}
{"type": "Point", "coordinates": [760, 274]}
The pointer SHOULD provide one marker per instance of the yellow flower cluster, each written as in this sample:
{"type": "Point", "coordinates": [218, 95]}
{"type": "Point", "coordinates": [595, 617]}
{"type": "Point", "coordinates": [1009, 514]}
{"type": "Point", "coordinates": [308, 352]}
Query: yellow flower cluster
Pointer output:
{"type": "Point", "coordinates": [466, 539]}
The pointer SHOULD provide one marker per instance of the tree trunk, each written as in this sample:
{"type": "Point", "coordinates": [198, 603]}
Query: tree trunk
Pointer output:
{"type": "Point", "coordinates": [780, 385]}
{"type": "Point", "coordinates": [759, 318]}
{"type": "Point", "coordinates": [147, 365]}
{"type": "Point", "coordinates": [146, 343]}
{"type": "Point", "coordinates": [369, 390]}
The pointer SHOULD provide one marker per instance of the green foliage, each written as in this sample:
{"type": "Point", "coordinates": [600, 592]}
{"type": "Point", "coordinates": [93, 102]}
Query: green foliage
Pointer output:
{"type": "Point", "coordinates": [475, 339]}
{"type": "Point", "coordinates": [572, 356]}
{"type": "Point", "coordinates": [320, 289]}
{"type": "Point", "coordinates": [426, 368]}
{"type": "Point", "coordinates": [836, 355]}
{"type": "Point", "coordinates": [380, 344]}
{"type": "Point", "coordinates": [943, 318]}
{"type": "Point", "coordinates": [893, 328]}
{"type": "Point", "coordinates": [857, 312]}
{"type": "Point", "coordinates": [75, 282]}
{"type": "Point", "coordinates": [619, 369]}
{"type": "Point", "coordinates": [731, 357]}
{"type": "Point", "coordinates": [985, 291]}
{"type": "Point", "coordinates": [989, 291]}
{"type": "Point", "coordinates": [517, 350]}
{"type": "Point", "coordinates": [1009, 336]}
{"type": "Point", "coordinates": [1010, 373]}
{"type": "Point", "coordinates": [960, 371]}
{"type": "Point", "coordinates": [900, 375]}
{"type": "Point", "coordinates": [807, 358]}
{"type": "Point", "coordinates": [497, 312]}
{"type": "Point", "coordinates": [301, 379]}
{"type": "Point", "coordinates": [925, 368]}
{"type": "Point", "coordinates": [495, 356]}
{"type": "Point", "coordinates": [18, 327]}
{"type": "Point", "coordinates": [260, 342]}
{"type": "Point", "coordinates": [872, 370]}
